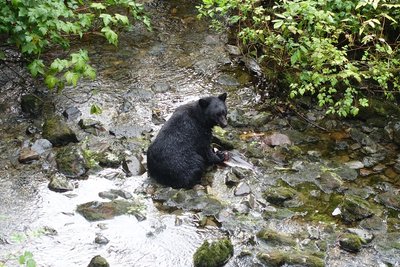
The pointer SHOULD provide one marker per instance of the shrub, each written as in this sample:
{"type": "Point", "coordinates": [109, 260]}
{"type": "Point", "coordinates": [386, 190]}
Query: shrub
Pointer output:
{"type": "Point", "coordinates": [339, 51]}
{"type": "Point", "coordinates": [35, 26]}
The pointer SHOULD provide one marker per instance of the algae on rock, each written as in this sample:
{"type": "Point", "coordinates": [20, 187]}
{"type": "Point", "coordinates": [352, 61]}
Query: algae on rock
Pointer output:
{"type": "Point", "coordinates": [213, 254]}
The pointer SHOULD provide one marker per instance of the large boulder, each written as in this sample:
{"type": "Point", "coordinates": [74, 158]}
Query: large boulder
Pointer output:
{"type": "Point", "coordinates": [57, 132]}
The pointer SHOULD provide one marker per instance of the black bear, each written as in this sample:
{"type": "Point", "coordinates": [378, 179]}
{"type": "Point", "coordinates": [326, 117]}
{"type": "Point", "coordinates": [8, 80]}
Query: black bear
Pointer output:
{"type": "Point", "coordinates": [182, 149]}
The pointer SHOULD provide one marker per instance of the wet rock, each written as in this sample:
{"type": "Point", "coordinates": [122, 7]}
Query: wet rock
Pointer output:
{"type": "Point", "coordinates": [95, 210]}
{"type": "Point", "coordinates": [396, 132]}
{"type": "Point", "coordinates": [298, 124]}
{"type": "Point", "coordinates": [121, 193]}
{"type": "Point", "coordinates": [277, 139]}
{"type": "Point", "coordinates": [379, 109]}
{"type": "Point", "coordinates": [364, 235]}
{"type": "Point", "coordinates": [354, 208]}
{"type": "Point", "coordinates": [41, 146]}
{"type": "Point", "coordinates": [231, 179]}
{"type": "Point", "coordinates": [101, 239]}
{"type": "Point", "coordinates": [355, 164]}
{"type": "Point", "coordinates": [350, 242]}
{"type": "Point", "coordinates": [279, 258]}
{"type": "Point", "coordinates": [275, 238]}
{"type": "Point", "coordinates": [32, 104]}
{"type": "Point", "coordinates": [188, 200]}
{"type": "Point", "coordinates": [227, 80]}
{"type": "Point", "coordinates": [214, 254]}
{"type": "Point", "coordinates": [60, 183]}
{"type": "Point", "coordinates": [278, 195]}
{"type": "Point", "coordinates": [370, 161]}
{"type": "Point", "coordinates": [71, 162]}
{"type": "Point", "coordinates": [108, 195]}
{"type": "Point", "coordinates": [72, 113]}
{"type": "Point", "coordinates": [259, 120]}
{"type": "Point", "coordinates": [128, 130]}
{"type": "Point", "coordinates": [390, 199]}
{"type": "Point", "coordinates": [346, 173]}
{"type": "Point", "coordinates": [32, 129]}
{"type": "Point", "coordinates": [160, 87]}
{"type": "Point", "coordinates": [58, 132]}
{"type": "Point", "coordinates": [330, 181]}
{"type": "Point", "coordinates": [233, 50]}
{"type": "Point", "coordinates": [341, 146]}
{"type": "Point", "coordinates": [109, 160]}
{"type": "Point", "coordinates": [27, 155]}
{"type": "Point", "coordinates": [242, 189]}
{"type": "Point", "coordinates": [92, 126]}
{"type": "Point", "coordinates": [236, 118]}
{"type": "Point", "coordinates": [132, 165]}
{"type": "Point", "coordinates": [98, 261]}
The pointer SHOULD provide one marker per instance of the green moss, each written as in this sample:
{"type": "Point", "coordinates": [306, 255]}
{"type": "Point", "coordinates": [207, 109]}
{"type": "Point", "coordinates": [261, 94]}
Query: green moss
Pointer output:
{"type": "Point", "coordinates": [57, 132]}
{"type": "Point", "coordinates": [276, 238]}
{"type": "Point", "coordinates": [350, 242]}
{"type": "Point", "coordinates": [278, 258]}
{"type": "Point", "coordinates": [213, 255]}
{"type": "Point", "coordinates": [278, 195]}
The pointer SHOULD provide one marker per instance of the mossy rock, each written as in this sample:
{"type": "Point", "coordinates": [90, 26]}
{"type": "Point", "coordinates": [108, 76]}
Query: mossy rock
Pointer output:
{"type": "Point", "coordinates": [58, 132]}
{"type": "Point", "coordinates": [355, 208]}
{"type": "Point", "coordinates": [213, 254]}
{"type": "Point", "coordinates": [350, 242]}
{"type": "Point", "coordinates": [95, 210]}
{"type": "Point", "coordinates": [278, 258]}
{"type": "Point", "coordinates": [275, 238]}
{"type": "Point", "coordinates": [278, 195]}
{"type": "Point", "coordinates": [98, 261]}
{"type": "Point", "coordinates": [32, 104]}
{"type": "Point", "coordinates": [71, 162]}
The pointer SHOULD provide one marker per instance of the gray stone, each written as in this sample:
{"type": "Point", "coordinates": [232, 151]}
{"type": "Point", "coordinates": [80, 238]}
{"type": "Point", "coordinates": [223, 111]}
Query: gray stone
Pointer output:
{"type": "Point", "coordinates": [60, 183]}
{"type": "Point", "coordinates": [27, 155]}
{"type": "Point", "coordinates": [41, 146]}
{"type": "Point", "coordinates": [242, 189]}
{"type": "Point", "coordinates": [72, 113]}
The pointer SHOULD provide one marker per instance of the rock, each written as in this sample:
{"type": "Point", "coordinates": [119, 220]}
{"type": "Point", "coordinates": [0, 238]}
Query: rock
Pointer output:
{"type": "Point", "coordinates": [233, 50]}
{"type": "Point", "coordinates": [32, 104]}
{"type": "Point", "coordinates": [132, 165]}
{"type": "Point", "coordinates": [350, 242]}
{"type": "Point", "coordinates": [108, 195]}
{"type": "Point", "coordinates": [396, 132]}
{"type": "Point", "coordinates": [71, 162]}
{"type": "Point", "coordinates": [41, 146]}
{"type": "Point", "coordinates": [292, 258]}
{"type": "Point", "coordinates": [60, 183]}
{"type": "Point", "coordinates": [27, 155]}
{"type": "Point", "coordinates": [98, 261]}
{"type": "Point", "coordinates": [214, 254]}
{"type": "Point", "coordinates": [58, 132]}
{"type": "Point", "coordinates": [122, 193]}
{"type": "Point", "coordinates": [236, 118]}
{"type": "Point", "coordinates": [72, 113]}
{"type": "Point", "coordinates": [31, 130]}
{"type": "Point", "coordinates": [277, 139]}
{"type": "Point", "coordinates": [231, 179]}
{"type": "Point", "coordinates": [91, 126]}
{"type": "Point", "coordinates": [160, 87]}
{"type": "Point", "coordinates": [101, 239]}
{"type": "Point", "coordinates": [390, 199]}
{"type": "Point", "coordinates": [95, 210]}
{"type": "Point", "coordinates": [366, 237]}
{"type": "Point", "coordinates": [109, 160]}
{"type": "Point", "coordinates": [275, 238]}
{"type": "Point", "coordinates": [298, 124]}
{"type": "Point", "coordinates": [355, 164]}
{"type": "Point", "coordinates": [278, 195]}
{"type": "Point", "coordinates": [260, 119]}
{"type": "Point", "coordinates": [242, 189]}
{"type": "Point", "coordinates": [370, 161]}
{"type": "Point", "coordinates": [354, 208]}
{"type": "Point", "coordinates": [330, 181]}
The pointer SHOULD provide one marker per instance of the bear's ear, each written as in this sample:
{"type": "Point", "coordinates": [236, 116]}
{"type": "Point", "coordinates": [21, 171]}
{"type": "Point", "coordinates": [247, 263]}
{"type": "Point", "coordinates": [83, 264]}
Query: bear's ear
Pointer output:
{"type": "Point", "coordinates": [222, 97]}
{"type": "Point", "coordinates": [204, 102]}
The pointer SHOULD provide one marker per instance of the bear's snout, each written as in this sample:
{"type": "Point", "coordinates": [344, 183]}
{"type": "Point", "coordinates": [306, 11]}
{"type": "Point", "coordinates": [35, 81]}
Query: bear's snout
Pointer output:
{"type": "Point", "coordinates": [222, 122]}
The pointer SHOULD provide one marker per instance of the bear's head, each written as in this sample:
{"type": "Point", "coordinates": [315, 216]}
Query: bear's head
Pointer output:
{"type": "Point", "coordinates": [214, 110]}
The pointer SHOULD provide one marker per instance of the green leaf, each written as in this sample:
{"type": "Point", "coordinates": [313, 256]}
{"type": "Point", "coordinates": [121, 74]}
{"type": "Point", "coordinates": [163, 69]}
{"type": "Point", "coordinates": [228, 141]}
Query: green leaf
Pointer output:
{"type": "Point", "coordinates": [51, 81]}
{"type": "Point", "coordinates": [71, 77]}
{"type": "Point", "coordinates": [30, 263]}
{"type": "Point", "coordinates": [36, 67]}
{"type": "Point", "coordinates": [97, 6]}
{"type": "Point", "coordinates": [107, 19]}
{"type": "Point", "coordinates": [95, 109]}
{"type": "Point", "coordinates": [123, 19]}
{"type": "Point", "coordinates": [111, 36]}
{"type": "Point", "coordinates": [277, 23]}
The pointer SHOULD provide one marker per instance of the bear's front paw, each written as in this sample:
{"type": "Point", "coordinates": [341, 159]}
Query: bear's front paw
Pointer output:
{"type": "Point", "coordinates": [222, 155]}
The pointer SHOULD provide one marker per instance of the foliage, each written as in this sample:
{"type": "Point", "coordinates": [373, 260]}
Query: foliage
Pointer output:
{"type": "Point", "coordinates": [36, 26]}
{"type": "Point", "coordinates": [339, 51]}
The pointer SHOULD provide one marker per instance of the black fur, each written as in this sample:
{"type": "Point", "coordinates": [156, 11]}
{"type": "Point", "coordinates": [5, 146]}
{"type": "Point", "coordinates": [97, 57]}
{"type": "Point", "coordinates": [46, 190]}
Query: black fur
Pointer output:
{"type": "Point", "coordinates": [181, 151]}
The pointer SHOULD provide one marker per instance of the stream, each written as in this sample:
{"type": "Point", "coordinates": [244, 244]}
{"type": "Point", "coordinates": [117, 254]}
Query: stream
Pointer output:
{"type": "Point", "coordinates": [293, 195]}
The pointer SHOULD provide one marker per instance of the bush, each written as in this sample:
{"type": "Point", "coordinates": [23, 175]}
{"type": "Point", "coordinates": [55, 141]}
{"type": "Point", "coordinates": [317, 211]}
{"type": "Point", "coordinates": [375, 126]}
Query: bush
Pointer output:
{"type": "Point", "coordinates": [35, 26]}
{"type": "Point", "coordinates": [339, 51]}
